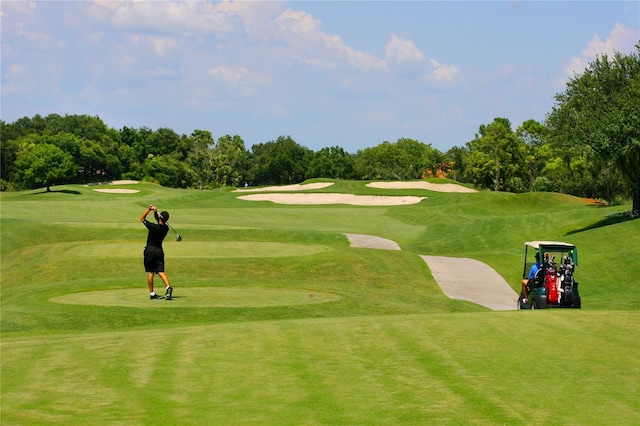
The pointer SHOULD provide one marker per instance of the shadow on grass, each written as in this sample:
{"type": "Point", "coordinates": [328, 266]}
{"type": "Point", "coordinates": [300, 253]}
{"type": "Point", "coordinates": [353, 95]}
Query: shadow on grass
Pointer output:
{"type": "Point", "coordinates": [58, 191]}
{"type": "Point", "coordinates": [610, 219]}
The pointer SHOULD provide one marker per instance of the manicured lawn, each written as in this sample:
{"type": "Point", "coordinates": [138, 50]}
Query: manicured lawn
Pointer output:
{"type": "Point", "coordinates": [277, 320]}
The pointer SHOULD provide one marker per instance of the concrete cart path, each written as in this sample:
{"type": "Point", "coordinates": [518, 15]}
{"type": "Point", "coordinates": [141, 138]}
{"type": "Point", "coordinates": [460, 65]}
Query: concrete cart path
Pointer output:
{"type": "Point", "coordinates": [372, 242]}
{"type": "Point", "coordinates": [472, 280]}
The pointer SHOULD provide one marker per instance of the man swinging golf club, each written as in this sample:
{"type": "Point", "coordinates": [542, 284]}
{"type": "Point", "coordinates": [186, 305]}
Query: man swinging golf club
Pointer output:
{"type": "Point", "coordinates": [153, 252]}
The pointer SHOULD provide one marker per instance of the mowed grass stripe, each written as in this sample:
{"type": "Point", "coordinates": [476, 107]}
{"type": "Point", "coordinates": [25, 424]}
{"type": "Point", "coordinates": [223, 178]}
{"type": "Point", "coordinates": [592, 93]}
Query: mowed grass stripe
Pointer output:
{"type": "Point", "coordinates": [199, 249]}
{"type": "Point", "coordinates": [449, 369]}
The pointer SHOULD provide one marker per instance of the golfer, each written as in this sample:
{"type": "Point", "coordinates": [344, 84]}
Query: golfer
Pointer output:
{"type": "Point", "coordinates": [153, 253]}
{"type": "Point", "coordinates": [532, 275]}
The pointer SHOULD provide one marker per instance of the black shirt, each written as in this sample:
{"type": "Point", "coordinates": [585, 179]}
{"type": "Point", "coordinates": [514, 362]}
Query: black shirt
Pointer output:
{"type": "Point", "coordinates": [156, 234]}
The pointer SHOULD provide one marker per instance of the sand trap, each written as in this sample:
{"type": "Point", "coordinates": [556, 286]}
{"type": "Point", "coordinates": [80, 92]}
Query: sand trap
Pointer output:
{"type": "Point", "coordinates": [331, 198]}
{"type": "Point", "coordinates": [117, 190]}
{"type": "Point", "coordinates": [437, 187]}
{"type": "Point", "coordinates": [124, 182]}
{"type": "Point", "coordinates": [297, 187]}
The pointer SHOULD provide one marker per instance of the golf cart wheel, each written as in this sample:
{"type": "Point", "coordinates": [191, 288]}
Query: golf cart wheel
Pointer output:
{"type": "Point", "coordinates": [577, 303]}
{"type": "Point", "coordinates": [519, 303]}
{"type": "Point", "coordinates": [566, 298]}
{"type": "Point", "coordinates": [539, 302]}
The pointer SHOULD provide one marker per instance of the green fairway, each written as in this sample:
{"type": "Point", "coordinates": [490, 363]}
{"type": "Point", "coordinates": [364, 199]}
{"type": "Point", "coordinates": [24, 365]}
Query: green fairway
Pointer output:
{"type": "Point", "coordinates": [277, 320]}
{"type": "Point", "coordinates": [201, 249]}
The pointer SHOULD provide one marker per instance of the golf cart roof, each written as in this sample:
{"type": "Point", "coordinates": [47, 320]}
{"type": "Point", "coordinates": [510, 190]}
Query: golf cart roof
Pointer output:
{"type": "Point", "coordinates": [550, 245]}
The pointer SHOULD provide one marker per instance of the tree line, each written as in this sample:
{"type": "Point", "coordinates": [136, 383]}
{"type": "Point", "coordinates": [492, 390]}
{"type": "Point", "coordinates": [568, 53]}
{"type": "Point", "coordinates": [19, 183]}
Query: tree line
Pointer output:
{"type": "Point", "coordinates": [589, 146]}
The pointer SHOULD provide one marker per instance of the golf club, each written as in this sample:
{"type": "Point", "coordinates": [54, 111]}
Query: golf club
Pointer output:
{"type": "Point", "coordinates": [178, 236]}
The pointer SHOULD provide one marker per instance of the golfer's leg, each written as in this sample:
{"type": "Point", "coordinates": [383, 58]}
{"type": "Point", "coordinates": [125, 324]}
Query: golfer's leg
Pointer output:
{"type": "Point", "coordinates": [164, 278]}
{"type": "Point", "coordinates": [150, 281]}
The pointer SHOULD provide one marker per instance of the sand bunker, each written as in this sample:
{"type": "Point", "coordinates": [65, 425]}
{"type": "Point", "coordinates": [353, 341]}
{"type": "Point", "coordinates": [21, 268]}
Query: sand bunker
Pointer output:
{"type": "Point", "coordinates": [356, 200]}
{"type": "Point", "coordinates": [124, 182]}
{"type": "Point", "coordinates": [117, 190]}
{"type": "Point", "coordinates": [437, 187]}
{"type": "Point", "coordinates": [331, 198]}
{"type": "Point", "coordinates": [287, 188]}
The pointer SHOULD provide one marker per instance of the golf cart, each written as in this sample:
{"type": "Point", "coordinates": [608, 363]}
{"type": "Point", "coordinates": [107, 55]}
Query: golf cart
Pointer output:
{"type": "Point", "coordinates": [553, 285]}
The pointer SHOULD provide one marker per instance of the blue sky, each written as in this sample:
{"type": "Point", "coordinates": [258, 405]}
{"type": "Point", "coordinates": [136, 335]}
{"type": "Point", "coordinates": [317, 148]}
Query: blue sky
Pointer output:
{"type": "Point", "coordinates": [327, 73]}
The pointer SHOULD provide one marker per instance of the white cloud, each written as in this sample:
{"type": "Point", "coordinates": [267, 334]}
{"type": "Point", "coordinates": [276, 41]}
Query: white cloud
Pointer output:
{"type": "Point", "coordinates": [109, 4]}
{"type": "Point", "coordinates": [405, 54]}
{"type": "Point", "coordinates": [299, 34]}
{"type": "Point", "coordinates": [229, 74]}
{"type": "Point", "coordinates": [162, 44]}
{"type": "Point", "coordinates": [15, 70]}
{"type": "Point", "coordinates": [402, 51]}
{"type": "Point", "coordinates": [442, 72]}
{"type": "Point", "coordinates": [302, 33]}
{"type": "Point", "coordinates": [621, 39]}
{"type": "Point", "coordinates": [299, 22]}
{"type": "Point", "coordinates": [256, 15]}
{"type": "Point", "coordinates": [239, 77]}
{"type": "Point", "coordinates": [21, 7]}
{"type": "Point", "coordinates": [181, 17]}
{"type": "Point", "coordinates": [39, 39]}
{"type": "Point", "coordinates": [15, 79]}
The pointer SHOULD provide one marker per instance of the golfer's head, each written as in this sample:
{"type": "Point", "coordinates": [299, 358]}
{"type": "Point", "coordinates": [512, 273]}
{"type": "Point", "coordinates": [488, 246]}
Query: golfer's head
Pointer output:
{"type": "Point", "coordinates": [164, 217]}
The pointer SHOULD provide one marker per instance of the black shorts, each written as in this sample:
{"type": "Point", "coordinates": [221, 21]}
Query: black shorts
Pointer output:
{"type": "Point", "coordinates": [153, 259]}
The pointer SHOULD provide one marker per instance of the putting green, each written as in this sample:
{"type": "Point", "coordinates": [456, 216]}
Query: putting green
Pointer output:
{"type": "Point", "coordinates": [197, 249]}
{"type": "Point", "coordinates": [225, 297]}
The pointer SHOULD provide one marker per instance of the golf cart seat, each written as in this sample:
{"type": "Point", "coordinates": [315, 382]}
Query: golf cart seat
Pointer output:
{"type": "Point", "coordinates": [538, 279]}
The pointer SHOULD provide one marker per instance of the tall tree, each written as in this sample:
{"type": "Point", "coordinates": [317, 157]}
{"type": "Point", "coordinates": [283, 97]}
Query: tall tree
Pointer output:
{"type": "Point", "coordinates": [600, 109]}
{"type": "Point", "coordinates": [201, 156]}
{"type": "Point", "coordinates": [457, 158]}
{"type": "Point", "coordinates": [229, 157]}
{"type": "Point", "coordinates": [332, 162]}
{"type": "Point", "coordinates": [404, 159]}
{"type": "Point", "coordinates": [495, 156]}
{"type": "Point", "coordinates": [278, 162]}
{"type": "Point", "coordinates": [534, 135]}
{"type": "Point", "coordinates": [43, 164]}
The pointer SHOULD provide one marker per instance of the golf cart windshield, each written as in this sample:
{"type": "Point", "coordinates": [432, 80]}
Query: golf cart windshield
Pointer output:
{"type": "Point", "coordinates": [559, 251]}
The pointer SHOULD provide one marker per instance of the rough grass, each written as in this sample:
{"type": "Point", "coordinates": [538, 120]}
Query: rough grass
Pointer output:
{"type": "Point", "coordinates": [378, 344]}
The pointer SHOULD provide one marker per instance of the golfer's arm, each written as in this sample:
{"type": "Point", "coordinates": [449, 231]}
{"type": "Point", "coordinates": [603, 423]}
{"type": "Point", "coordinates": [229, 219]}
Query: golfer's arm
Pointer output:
{"type": "Point", "coordinates": [144, 215]}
